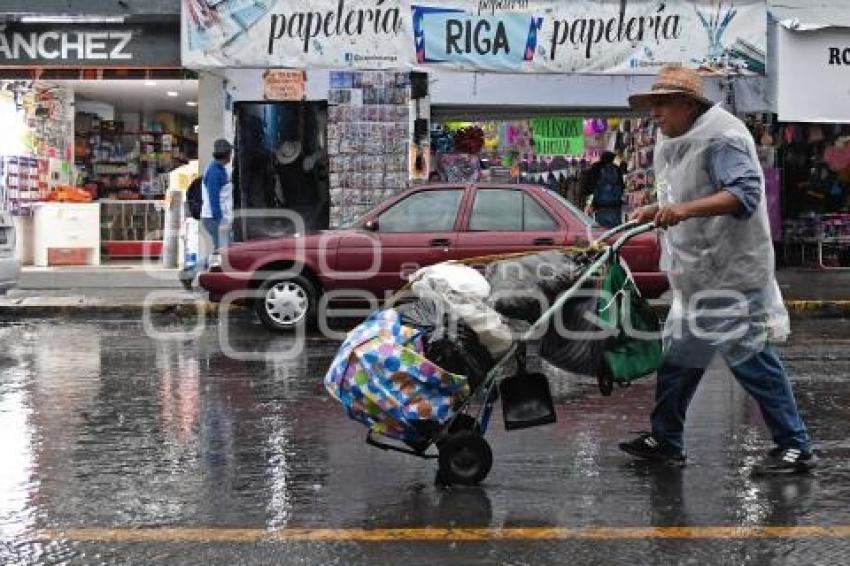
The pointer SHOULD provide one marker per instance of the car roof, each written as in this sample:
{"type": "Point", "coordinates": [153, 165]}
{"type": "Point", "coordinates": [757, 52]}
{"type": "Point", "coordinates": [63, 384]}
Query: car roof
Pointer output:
{"type": "Point", "coordinates": [505, 185]}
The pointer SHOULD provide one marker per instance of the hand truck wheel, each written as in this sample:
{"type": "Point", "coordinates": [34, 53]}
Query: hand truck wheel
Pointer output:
{"type": "Point", "coordinates": [465, 459]}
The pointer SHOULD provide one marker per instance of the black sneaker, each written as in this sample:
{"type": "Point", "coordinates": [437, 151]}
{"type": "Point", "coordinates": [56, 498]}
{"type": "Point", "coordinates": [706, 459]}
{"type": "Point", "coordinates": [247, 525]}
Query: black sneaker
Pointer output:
{"type": "Point", "coordinates": [648, 447]}
{"type": "Point", "coordinates": [781, 461]}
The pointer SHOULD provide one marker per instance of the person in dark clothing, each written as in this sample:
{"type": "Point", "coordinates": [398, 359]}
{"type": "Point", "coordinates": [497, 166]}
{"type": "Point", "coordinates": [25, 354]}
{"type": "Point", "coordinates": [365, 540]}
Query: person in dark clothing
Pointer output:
{"type": "Point", "coordinates": [604, 183]}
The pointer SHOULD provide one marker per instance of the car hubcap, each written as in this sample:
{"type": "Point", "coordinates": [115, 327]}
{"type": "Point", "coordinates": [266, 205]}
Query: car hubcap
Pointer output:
{"type": "Point", "coordinates": [287, 303]}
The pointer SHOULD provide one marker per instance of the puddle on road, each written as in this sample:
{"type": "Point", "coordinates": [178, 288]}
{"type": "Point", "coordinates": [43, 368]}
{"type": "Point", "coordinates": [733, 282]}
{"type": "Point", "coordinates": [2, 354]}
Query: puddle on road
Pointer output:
{"type": "Point", "coordinates": [105, 427]}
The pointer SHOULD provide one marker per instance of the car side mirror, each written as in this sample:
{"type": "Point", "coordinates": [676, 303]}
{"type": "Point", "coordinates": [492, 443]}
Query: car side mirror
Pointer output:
{"type": "Point", "coordinates": [371, 225]}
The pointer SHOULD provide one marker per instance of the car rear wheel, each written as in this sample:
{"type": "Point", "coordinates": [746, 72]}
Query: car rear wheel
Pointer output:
{"type": "Point", "coordinates": [284, 304]}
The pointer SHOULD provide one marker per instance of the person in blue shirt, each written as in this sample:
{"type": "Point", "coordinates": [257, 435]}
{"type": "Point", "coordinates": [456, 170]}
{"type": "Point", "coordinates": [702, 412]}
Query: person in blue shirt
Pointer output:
{"type": "Point", "coordinates": [217, 210]}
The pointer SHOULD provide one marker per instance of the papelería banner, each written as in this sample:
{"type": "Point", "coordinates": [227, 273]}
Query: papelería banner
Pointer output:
{"type": "Point", "coordinates": [517, 36]}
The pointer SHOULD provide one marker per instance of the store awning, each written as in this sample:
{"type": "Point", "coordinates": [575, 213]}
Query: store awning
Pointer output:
{"type": "Point", "coordinates": [487, 96]}
{"type": "Point", "coordinates": [467, 113]}
{"type": "Point", "coordinates": [810, 15]}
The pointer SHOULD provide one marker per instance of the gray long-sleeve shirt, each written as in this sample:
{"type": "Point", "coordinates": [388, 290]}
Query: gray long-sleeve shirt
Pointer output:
{"type": "Point", "coordinates": [731, 167]}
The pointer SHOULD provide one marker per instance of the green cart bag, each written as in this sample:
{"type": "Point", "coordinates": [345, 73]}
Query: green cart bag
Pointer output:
{"type": "Point", "coordinates": [627, 357]}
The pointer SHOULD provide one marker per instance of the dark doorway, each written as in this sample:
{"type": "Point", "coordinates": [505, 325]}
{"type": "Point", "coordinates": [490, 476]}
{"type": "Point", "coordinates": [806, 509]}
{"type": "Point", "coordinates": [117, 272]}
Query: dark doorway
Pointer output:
{"type": "Point", "coordinates": [281, 163]}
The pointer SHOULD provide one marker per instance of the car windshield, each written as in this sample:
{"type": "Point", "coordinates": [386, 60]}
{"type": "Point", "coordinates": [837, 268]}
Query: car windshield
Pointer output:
{"type": "Point", "coordinates": [578, 213]}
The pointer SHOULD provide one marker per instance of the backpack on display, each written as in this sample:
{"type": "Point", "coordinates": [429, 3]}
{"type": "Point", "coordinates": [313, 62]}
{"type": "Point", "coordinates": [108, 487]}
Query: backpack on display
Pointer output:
{"type": "Point", "coordinates": [609, 188]}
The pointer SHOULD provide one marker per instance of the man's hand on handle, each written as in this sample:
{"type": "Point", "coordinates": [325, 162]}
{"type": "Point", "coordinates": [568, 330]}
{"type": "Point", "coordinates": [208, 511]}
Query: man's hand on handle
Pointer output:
{"type": "Point", "coordinates": [663, 216]}
{"type": "Point", "coordinates": [644, 214]}
{"type": "Point", "coordinates": [670, 215]}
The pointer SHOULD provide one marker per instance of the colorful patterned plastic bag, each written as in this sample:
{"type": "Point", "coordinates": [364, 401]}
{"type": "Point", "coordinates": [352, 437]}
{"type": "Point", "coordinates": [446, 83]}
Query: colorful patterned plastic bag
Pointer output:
{"type": "Point", "coordinates": [382, 379]}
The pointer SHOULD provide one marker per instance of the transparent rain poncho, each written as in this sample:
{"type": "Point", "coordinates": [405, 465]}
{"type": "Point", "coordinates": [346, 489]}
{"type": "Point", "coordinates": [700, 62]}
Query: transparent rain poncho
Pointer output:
{"type": "Point", "coordinates": [721, 269]}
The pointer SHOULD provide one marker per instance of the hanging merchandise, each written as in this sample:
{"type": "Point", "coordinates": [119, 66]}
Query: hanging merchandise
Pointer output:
{"type": "Point", "coordinates": [838, 156]}
{"type": "Point", "coordinates": [68, 194]}
{"type": "Point", "coordinates": [38, 146]}
{"type": "Point", "coordinates": [369, 140]}
{"type": "Point", "coordinates": [459, 168]}
{"type": "Point", "coordinates": [599, 126]}
{"type": "Point", "coordinates": [516, 137]}
{"type": "Point", "coordinates": [469, 140]}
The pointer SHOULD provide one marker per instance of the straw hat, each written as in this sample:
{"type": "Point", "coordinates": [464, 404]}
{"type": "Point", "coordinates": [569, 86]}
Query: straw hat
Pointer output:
{"type": "Point", "coordinates": [672, 81]}
{"type": "Point", "coordinates": [288, 152]}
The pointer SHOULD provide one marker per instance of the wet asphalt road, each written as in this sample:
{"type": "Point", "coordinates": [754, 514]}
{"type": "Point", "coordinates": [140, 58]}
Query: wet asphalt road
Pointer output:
{"type": "Point", "coordinates": [120, 448]}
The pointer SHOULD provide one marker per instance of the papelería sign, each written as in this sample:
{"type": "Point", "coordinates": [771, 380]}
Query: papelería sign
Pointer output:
{"type": "Point", "coordinates": [516, 36]}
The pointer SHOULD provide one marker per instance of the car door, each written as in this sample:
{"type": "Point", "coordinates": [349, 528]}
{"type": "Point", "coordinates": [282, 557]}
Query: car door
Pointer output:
{"type": "Point", "coordinates": [418, 230]}
{"type": "Point", "coordinates": [507, 220]}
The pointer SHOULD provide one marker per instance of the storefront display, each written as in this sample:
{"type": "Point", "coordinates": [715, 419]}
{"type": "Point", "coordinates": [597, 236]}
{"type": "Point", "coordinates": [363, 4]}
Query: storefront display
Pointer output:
{"type": "Point", "coordinates": [91, 110]}
{"type": "Point", "coordinates": [117, 162]}
{"type": "Point", "coordinates": [55, 155]}
{"type": "Point", "coordinates": [131, 228]}
{"type": "Point", "coordinates": [37, 150]}
{"type": "Point", "coordinates": [368, 140]}
{"type": "Point", "coordinates": [552, 151]}
{"type": "Point", "coordinates": [807, 178]}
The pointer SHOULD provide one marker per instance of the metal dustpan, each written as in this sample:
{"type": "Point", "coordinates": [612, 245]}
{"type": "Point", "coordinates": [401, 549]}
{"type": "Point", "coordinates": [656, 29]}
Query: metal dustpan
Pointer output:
{"type": "Point", "coordinates": [526, 401]}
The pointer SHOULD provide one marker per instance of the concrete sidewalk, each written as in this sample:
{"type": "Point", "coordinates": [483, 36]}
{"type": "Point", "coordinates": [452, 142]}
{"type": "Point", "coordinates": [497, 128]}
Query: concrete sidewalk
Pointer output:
{"type": "Point", "coordinates": [131, 291]}
{"type": "Point", "coordinates": [128, 275]}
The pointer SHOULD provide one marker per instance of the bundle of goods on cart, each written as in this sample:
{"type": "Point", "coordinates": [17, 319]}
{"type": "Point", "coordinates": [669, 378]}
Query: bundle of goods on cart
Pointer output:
{"type": "Point", "coordinates": [418, 371]}
{"type": "Point", "coordinates": [404, 370]}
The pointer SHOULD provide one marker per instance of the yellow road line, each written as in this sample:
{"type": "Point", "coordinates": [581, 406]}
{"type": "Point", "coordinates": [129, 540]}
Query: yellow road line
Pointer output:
{"type": "Point", "coordinates": [215, 535]}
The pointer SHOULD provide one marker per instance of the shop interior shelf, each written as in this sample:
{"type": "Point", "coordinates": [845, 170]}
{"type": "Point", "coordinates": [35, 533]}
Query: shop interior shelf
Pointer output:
{"type": "Point", "coordinates": [130, 228]}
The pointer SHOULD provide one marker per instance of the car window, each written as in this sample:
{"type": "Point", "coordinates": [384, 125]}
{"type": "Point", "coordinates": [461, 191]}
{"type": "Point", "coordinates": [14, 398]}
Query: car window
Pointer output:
{"type": "Point", "coordinates": [575, 211]}
{"type": "Point", "coordinates": [535, 218]}
{"type": "Point", "coordinates": [496, 210]}
{"type": "Point", "coordinates": [509, 211]}
{"type": "Point", "coordinates": [427, 211]}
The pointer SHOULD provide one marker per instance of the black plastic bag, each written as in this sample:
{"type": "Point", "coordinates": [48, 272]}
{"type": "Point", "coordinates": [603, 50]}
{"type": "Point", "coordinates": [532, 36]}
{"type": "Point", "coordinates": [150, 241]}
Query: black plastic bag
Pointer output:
{"type": "Point", "coordinates": [524, 287]}
{"type": "Point", "coordinates": [573, 341]}
{"type": "Point", "coordinates": [449, 342]}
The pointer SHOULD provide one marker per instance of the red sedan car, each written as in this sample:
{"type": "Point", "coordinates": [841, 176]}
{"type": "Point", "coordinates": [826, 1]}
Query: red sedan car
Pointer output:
{"type": "Point", "coordinates": [287, 278]}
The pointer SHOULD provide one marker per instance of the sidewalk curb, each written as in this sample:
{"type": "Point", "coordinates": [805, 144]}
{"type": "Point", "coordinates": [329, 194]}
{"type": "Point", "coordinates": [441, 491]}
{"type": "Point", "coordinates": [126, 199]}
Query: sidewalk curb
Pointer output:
{"type": "Point", "coordinates": [823, 309]}
{"type": "Point", "coordinates": [183, 310]}
{"type": "Point", "coordinates": [810, 309]}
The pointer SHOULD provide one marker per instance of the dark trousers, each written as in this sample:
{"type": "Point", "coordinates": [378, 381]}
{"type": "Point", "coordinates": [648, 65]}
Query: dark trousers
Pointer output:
{"type": "Point", "coordinates": [762, 376]}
